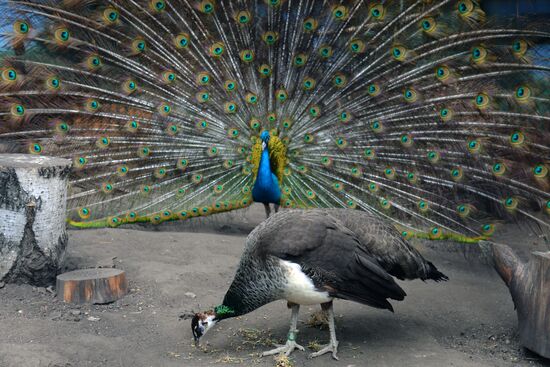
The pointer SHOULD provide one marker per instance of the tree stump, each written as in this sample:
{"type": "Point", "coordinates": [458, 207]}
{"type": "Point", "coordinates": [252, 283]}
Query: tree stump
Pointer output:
{"type": "Point", "coordinates": [103, 285]}
{"type": "Point", "coordinates": [529, 285]}
{"type": "Point", "coordinates": [33, 237]}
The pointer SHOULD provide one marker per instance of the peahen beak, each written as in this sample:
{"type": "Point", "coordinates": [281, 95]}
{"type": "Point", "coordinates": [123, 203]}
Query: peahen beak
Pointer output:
{"type": "Point", "coordinates": [196, 329]}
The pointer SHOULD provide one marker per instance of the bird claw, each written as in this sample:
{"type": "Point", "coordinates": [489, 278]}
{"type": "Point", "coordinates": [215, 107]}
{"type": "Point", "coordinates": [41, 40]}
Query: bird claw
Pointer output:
{"type": "Point", "coordinates": [283, 348]}
{"type": "Point", "coordinates": [329, 348]}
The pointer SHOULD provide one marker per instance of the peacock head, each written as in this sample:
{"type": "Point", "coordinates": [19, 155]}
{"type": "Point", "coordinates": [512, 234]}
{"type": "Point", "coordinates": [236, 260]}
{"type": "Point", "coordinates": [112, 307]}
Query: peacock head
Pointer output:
{"type": "Point", "coordinates": [204, 321]}
{"type": "Point", "coordinates": [265, 138]}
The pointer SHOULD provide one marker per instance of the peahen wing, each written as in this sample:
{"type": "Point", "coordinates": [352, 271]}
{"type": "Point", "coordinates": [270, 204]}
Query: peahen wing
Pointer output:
{"type": "Point", "coordinates": [415, 110]}
{"type": "Point", "coordinates": [333, 256]}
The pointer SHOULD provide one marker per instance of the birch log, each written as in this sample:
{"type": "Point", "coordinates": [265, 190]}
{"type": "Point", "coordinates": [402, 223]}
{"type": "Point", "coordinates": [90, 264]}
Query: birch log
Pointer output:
{"type": "Point", "coordinates": [33, 237]}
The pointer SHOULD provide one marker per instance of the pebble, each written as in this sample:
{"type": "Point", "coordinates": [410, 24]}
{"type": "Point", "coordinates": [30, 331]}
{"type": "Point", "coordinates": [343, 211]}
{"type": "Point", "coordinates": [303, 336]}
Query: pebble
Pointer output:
{"type": "Point", "coordinates": [2, 285]}
{"type": "Point", "coordinates": [106, 263]}
{"type": "Point", "coordinates": [75, 312]}
{"type": "Point", "coordinates": [190, 295]}
{"type": "Point", "coordinates": [93, 318]}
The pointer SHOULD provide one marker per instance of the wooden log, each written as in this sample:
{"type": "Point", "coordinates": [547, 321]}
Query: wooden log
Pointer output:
{"type": "Point", "coordinates": [33, 237]}
{"type": "Point", "coordinates": [103, 285]}
{"type": "Point", "coordinates": [529, 285]}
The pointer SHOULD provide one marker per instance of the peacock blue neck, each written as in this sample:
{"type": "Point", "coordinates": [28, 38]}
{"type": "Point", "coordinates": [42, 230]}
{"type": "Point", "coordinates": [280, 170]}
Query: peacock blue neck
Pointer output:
{"type": "Point", "coordinates": [266, 188]}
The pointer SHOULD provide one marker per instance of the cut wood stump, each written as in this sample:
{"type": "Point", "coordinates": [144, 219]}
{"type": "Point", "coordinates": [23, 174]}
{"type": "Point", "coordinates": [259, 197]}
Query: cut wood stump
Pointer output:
{"type": "Point", "coordinates": [33, 237]}
{"type": "Point", "coordinates": [529, 285]}
{"type": "Point", "coordinates": [102, 285]}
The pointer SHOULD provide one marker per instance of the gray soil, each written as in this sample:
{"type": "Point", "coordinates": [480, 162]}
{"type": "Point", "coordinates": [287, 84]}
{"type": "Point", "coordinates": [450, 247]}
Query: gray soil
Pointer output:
{"type": "Point", "coordinates": [173, 268]}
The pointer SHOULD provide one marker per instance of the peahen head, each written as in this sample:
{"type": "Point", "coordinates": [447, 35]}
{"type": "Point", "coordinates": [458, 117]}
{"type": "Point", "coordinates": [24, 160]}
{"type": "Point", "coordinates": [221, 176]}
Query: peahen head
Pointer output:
{"type": "Point", "coordinates": [201, 323]}
{"type": "Point", "coordinates": [204, 321]}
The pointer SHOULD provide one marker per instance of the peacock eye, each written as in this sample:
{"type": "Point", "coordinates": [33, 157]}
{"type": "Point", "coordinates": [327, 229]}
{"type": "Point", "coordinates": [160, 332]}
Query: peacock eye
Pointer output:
{"type": "Point", "coordinates": [428, 25]}
{"type": "Point", "coordinates": [310, 24]}
{"type": "Point", "coordinates": [247, 55]}
{"type": "Point", "coordinates": [158, 5]}
{"type": "Point", "coordinates": [21, 27]}
{"type": "Point", "coordinates": [465, 7]}
{"type": "Point", "coordinates": [62, 35]}
{"type": "Point", "coordinates": [340, 12]}
{"type": "Point", "coordinates": [270, 37]}
{"type": "Point", "coordinates": [325, 51]}
{"type": "Point", "coordinates": [357, 46]}
{"type": "Point", "coordinates": [182, 40]}
{"type": "Point", "coordinates": [377, 12]}
{"type": "Point", "coordinates": [399, 53]}
{"type": "Point", "coordinates": [243, 17]}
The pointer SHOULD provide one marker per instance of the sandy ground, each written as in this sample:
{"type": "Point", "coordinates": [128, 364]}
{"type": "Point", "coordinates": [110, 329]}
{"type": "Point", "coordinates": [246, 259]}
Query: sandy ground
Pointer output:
{"type": "Point", "coordinates": [468, 321]}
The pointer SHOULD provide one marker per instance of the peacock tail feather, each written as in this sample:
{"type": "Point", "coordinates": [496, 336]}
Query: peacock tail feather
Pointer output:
{"type": "Point", "coordinates": [424, 112]}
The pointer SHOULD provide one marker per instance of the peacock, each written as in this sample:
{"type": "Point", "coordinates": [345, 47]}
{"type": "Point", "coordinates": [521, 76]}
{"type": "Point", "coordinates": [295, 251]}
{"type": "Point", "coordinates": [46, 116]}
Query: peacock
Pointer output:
{"type": "Point", "coordinates": [426, 113]}
{"type": "Point", "coordinates": [324, 254]}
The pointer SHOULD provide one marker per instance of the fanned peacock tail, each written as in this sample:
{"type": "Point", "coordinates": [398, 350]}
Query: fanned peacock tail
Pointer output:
{"type": "Point", "coordinates": [416, 110]}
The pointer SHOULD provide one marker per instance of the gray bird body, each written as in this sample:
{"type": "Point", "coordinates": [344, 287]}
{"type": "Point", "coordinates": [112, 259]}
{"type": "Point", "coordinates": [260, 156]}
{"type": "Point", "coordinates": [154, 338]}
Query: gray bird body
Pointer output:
{"type": "Point", "coordinates": [345, 254]}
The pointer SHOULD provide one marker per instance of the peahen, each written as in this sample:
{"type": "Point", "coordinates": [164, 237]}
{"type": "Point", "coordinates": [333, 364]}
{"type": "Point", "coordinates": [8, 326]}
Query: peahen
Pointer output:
{"type": "Point", "coordinates": [422, 112]}
{"type": "Point", "coordinates": [324, 254]}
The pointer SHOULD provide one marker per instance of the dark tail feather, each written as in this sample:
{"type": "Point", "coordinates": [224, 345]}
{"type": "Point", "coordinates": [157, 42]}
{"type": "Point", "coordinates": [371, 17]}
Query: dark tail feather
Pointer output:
{"type": "Point", "coordinates": [435, 274]}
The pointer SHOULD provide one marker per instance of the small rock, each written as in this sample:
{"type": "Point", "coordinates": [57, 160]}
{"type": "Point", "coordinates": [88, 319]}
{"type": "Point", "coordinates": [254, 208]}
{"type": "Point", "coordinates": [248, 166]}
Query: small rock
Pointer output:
{"type": "Point", "coordinates": [50, 289]}
{"type": "Point", "coordinates": [106, 263]}
{"type": "Point", "coordinates": [93, 318]}
{"type": "Point", "coordinates": [75, 312]}
{"type": "Point", "coordinates": [2, 285]}
{"type": "Point", "coordinates": [55, 316]}
{"type": "Point", "coordinates": [190, 295]}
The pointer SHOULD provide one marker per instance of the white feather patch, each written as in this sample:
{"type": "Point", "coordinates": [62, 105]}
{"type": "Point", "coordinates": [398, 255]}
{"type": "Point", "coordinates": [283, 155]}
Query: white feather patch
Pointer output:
{"type": "Point", "coordinates": [300, 288]}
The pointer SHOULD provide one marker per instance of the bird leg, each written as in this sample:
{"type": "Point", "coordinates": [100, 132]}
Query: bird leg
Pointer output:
{"type": "Point", "coordinates": [276, 206]}
{"type": "Point", "coordinates": [332, 346]}
{"type": "Point", "coordinates": [291, 339]}
{"type": "Point", "coordinates": [267, 210]}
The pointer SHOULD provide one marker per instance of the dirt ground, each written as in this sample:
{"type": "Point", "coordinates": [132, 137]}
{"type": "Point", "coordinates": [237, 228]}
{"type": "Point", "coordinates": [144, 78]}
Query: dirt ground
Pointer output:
{"type": "Point", "coordinates": [467, 321]}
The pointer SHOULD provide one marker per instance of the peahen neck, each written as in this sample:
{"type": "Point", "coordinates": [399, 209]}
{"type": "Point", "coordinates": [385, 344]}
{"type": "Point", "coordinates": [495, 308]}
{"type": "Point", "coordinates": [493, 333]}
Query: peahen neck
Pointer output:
{"type": "Point", "coordinates": [266, 188]}
{"type": "Point", "coordinates": [256, 283]}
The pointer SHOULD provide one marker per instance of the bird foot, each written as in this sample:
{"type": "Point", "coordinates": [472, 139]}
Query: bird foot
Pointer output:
{"type": "Point", "coordinates": [329, 348]}
{"type": "Point", "coordinates": [283, 348]}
